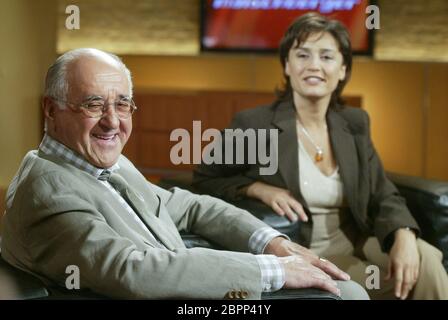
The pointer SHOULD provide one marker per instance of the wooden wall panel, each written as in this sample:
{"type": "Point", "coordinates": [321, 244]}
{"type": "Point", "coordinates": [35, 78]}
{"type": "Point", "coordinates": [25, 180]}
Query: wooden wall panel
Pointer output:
{"type": "Point", "coordinates": [219, 109]}
{"type": "Point", "coordinates": [436, 152]}
{"type": "Point", "coordinates": [160, 113]}
{"type": "Point", "coordinates": [154, 151]}
{"type": "Point", "coordinates": [250, 100]}
{"type": "Point", "coordinates": [131, 147]}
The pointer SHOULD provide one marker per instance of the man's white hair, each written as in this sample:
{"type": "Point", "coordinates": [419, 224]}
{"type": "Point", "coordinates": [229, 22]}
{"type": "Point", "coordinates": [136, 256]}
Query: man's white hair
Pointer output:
{"type": "Point", "coordinates": [56, 84]}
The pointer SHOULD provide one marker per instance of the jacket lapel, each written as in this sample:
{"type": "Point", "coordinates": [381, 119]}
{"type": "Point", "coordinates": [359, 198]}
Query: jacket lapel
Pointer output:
{"type": "Point", "coordinates": [149, 212]}
{"type": "Point", "coordinates": [285, 120]}
{"type": "Point", "coordinates": [108, 197]}
{"type": "Point", "coordinates": [344, 148]}
{"type": "Point", "coordinates": [158, 227]}
{"type": "Point", "coordinates": [288, 148]}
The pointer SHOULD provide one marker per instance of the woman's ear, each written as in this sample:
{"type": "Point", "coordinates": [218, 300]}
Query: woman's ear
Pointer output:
{"type": "Point", "coordinates": [287, 69]}
{"type": "Point", "coordinates": [342, 72]}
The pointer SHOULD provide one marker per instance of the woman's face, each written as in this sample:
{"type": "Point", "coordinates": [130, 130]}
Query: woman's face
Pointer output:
{"type": "Point", "coordinates": [315, 67]}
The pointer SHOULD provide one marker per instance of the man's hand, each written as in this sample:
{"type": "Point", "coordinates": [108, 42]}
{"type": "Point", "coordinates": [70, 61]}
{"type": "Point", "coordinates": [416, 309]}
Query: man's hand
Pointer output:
{"type": "Point", "coordinates": [404, 262]}
{"type": "Point", "coordinates": [282, 247]}
{"type": "Point", "coordinates": [280, 200]}
{"type": "Point", "coordinates": [301, 274]}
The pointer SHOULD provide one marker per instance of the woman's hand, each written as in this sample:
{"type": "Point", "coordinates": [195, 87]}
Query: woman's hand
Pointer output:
{"type": "Point", "coordinates": [404, 262]}
{"type": "Point", "coordinates": [280, 200]}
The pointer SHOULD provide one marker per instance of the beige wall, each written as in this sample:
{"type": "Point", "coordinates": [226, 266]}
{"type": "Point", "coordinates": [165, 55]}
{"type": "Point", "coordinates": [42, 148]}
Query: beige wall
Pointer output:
{"type": "Point", "coordinates": [406, 100]}
{"type": "Point", "coordinates": [394, 94]}
{"type": "Point", "coordinates": [27, 30]}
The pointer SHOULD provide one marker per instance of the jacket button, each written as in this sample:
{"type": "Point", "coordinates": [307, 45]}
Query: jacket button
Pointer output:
{"type": "Point", "coordinates": [231, 294]}
{"type": "Point", "coordinates": [238, 295]}
{"type": "Point", "coordinates": [244, 294]}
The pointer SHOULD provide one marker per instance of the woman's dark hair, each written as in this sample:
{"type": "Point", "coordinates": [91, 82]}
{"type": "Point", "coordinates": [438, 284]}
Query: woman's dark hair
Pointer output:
{"type": "Point", "coordinates": [300, 30]}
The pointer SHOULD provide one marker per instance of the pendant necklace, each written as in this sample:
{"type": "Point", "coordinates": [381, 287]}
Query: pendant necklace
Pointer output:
{"type": "Point", "coordinates": [319, 156]}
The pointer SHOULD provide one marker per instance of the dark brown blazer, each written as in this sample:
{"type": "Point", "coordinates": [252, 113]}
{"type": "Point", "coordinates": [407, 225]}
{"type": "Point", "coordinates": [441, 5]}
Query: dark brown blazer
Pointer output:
{"type": "Point", "coordinates": [375, 204]}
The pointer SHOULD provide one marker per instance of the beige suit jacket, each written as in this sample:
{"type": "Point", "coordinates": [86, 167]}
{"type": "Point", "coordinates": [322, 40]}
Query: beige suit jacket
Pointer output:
{"type": "Point", "coordinates": [61, 216]}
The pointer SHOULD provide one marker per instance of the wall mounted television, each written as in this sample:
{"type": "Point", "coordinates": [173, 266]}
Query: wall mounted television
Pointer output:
{"type": "Point", "coordinates": [258, 25]}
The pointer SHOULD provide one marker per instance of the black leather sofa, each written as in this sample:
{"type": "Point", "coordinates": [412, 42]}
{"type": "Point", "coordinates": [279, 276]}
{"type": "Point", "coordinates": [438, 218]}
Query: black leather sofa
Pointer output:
{"type": "Point", "coordinates": [426, 199]}
{"type": "Point", "coordinates": [428, 202]}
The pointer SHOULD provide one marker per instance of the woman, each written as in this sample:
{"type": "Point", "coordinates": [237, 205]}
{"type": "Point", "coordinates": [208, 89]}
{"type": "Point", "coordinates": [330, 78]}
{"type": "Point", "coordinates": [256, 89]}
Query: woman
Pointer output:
{"type": "Point", "coordinates": [330, 175]}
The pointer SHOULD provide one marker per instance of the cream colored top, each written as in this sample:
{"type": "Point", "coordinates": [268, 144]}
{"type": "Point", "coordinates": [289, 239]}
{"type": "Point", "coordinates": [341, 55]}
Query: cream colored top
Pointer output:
{"type": "Point", "coordinates": [333, 228]}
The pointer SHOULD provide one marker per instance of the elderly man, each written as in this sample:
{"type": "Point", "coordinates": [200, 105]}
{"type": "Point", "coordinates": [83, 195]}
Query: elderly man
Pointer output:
{"type": "Point", "coordinates": [78, 201]}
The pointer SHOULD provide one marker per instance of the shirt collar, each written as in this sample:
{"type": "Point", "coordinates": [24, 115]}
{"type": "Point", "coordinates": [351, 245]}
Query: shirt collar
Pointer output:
{"type": "Point", "coordinates": [52, 147]}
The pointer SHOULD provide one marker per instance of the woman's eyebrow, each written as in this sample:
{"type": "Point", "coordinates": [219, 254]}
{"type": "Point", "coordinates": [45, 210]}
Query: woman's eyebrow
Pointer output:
{"type": "Point", "coordinates": [322, 50]}
{"type": "Point", "coordinates": [302, 48]}
{"type": "Point", "coordinates": [327, 50]}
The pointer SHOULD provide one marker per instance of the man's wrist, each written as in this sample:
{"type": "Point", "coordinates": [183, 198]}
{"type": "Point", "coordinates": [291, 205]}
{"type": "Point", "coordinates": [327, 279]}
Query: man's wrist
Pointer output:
{"type": "Point", "coordinates": [273, 245]}
{"type": "Point", "coordinates": [272, 272]}
{"type": "Point", "coordinates": [261, 238]}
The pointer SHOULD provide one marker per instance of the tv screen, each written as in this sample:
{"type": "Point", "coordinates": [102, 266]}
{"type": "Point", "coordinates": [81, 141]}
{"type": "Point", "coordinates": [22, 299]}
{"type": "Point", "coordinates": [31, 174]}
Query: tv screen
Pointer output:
{"type": "Point", "coordinates": [258, 25]}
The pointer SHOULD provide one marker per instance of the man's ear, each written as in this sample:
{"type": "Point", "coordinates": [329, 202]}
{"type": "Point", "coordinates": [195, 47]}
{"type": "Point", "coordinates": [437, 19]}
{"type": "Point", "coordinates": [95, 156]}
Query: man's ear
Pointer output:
{"type": "Point", "coordinates": [48, 107]}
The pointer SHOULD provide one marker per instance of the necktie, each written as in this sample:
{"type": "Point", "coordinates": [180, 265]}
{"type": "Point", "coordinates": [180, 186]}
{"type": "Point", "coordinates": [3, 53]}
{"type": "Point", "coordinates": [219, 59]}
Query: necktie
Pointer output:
{"type": "Point", "coordinates": [134, 199]}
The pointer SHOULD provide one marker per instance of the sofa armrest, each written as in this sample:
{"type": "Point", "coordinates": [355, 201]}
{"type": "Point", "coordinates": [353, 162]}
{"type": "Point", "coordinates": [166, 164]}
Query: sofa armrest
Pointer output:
{"type": "Point", "coordinates": [428, 202]}
{"type": "Point", "coordinates": [299, 294]}
{"type": "Point", "coordinates": [191, 241]}
{"type": "Point", "coordinates": [18, 285]}
{"type": "Point", "coordinates": [270, 217]}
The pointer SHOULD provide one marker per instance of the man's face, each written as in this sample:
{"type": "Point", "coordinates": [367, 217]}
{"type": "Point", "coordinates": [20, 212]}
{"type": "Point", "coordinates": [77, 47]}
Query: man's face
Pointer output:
{"type": "Point", "coordinates": [99, 140]}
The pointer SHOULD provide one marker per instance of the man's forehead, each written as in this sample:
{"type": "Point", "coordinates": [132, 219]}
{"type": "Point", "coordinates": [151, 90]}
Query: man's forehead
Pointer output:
{"type": "Point", "coordinates": [109, 77]}
{"type": "Point", "coordinates": [110, 84]}
{"type": "Point", "coordinates": [96, 76]}
{"type": "Point", "coordinates": [98, 68]}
